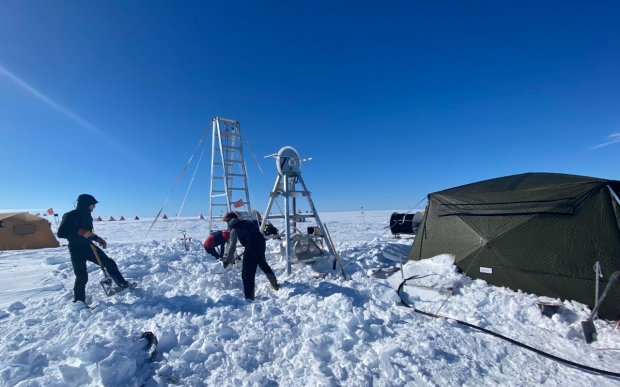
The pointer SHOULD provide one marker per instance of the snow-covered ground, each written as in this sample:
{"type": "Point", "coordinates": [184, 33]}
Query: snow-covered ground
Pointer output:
{"type": "Point", "coordinates": [312, 332]}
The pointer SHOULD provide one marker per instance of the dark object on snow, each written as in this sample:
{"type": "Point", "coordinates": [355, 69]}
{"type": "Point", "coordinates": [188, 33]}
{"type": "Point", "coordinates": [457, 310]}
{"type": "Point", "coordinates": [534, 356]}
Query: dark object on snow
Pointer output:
{"type": "Point", "coordinates": [589, 330]}
{"type": "Point", "coordinates": [549, 308]}
{"type": "Point", "coordinates": [270, 229]}
{"type": "Point", "coordinates": [405, 223]}
{"type": "Point", "coordinates": [538, 232]}
{"type": "Point", "coordinates": [152, 344]}
{"type": "Point", "coordinates": [383, 272]}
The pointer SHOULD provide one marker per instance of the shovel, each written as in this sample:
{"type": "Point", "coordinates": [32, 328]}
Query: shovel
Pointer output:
{"type": "Point", "coordinates": [589, 330]}
{"type": "Point", "coordinates": [107, 284]}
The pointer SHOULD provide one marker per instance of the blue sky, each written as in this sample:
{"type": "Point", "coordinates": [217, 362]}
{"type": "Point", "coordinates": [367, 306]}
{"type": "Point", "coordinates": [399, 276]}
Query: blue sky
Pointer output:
{"type": "Point", "coordinates": [393, 100]}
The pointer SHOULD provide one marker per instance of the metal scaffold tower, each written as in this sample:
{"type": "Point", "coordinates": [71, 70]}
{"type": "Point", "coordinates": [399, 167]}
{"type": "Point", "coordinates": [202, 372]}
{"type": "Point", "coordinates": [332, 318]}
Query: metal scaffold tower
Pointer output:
{"type": "Point", "coordinates": [299, 246]}
{"type": "Point", "coordinates": [229, 182]}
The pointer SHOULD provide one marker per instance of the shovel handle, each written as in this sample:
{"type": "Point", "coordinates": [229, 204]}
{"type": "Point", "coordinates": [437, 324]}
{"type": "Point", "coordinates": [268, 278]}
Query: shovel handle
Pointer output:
{"type": "Point", "coordinates": [98, 259]}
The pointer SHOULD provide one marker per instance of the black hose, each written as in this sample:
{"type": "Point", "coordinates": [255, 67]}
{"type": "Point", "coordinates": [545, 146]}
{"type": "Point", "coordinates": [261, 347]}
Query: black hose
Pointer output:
{"type": "Point", "coordinates": [538, 351]}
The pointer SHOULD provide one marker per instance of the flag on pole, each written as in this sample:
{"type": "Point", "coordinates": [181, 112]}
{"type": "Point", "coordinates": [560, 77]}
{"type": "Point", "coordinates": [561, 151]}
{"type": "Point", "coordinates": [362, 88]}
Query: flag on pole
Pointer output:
{"type": "Point", "coordinates": [238, 203]}
{"type": "Point", "coordinates": [50, 211]}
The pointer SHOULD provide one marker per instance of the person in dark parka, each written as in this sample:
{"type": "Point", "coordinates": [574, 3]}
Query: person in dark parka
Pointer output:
{"type": "Point", "coordinates": [254, 255]}
{"type": "Point", "coordinates": [77, 227]}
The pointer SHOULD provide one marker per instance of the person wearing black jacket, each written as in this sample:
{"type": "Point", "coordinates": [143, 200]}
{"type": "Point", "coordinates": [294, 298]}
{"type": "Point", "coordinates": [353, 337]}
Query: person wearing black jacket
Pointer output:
{"type": "Point", "coordinates": [77, 227]}
{"type": "Point", "coordinates": [254, 255]}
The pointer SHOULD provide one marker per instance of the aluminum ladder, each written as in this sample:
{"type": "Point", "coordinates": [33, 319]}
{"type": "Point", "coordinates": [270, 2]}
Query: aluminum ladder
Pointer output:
{"type": "Point", "coordinates": [229, 183]}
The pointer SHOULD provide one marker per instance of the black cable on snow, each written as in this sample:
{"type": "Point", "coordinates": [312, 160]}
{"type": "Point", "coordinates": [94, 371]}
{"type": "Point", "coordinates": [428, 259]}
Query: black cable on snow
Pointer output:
{"type": "Point", "coordinates": [538, 351]}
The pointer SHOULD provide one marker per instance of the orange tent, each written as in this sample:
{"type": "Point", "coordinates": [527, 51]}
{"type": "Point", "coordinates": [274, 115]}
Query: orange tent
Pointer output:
{"type": "Point", "coordinates": [121, 218]}
{"type": "Point", "coordinates": [98, 219]}
{"type": "Point", "coordinates": [111, 219]}
{"type": "Point", "coordinates": [201, 217]}
{"type": "Point", "coordinates": [164, 217]}
{"type": "Point", "coordinates": [25, 231]}
{"type": "Point", "coordinates": [136, 218]}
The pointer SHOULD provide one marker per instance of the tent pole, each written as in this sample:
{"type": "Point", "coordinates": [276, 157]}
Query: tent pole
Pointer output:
{"type": "Point", "coordinates": [613, 194]}
{"type": "Point", "coordinates": [599, 273]}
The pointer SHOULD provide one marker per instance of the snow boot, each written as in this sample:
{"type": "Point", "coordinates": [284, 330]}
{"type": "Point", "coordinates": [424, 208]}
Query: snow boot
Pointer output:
{"type": "Point", "coordinates": [273, 281]}
{"type": "Point", "coordinates": [79, 305]}
{"type": "Point", "coordinates": [130, 285]}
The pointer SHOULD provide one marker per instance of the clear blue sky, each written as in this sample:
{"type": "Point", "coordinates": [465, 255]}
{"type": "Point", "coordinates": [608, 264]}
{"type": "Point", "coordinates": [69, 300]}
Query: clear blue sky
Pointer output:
{"type": "Point", "coordinates": [393, 100]}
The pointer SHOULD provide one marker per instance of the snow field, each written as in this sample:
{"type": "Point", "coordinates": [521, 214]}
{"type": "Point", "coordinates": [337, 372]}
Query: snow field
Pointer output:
{"type": "Point", "coordinates": [312, 332]}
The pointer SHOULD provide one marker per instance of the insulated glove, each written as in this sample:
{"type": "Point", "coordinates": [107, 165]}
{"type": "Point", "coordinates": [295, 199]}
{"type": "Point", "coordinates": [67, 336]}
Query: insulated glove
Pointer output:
{"type": "Point", "coordinates": [101, 242]}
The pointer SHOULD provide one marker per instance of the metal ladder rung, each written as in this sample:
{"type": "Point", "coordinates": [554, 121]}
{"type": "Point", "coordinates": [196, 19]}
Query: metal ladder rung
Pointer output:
{"type": "Point", "coordinates": [216, 204]}
{"type": "Point", "coordinates": [227, 120]}
{"type": "Point", "coordinates": [293, 217]}
{"type": "Point", "coordinates": [231, 162]}
{"type": "Point", "coordinates": [230, 175]}
{"type": "Point", "coordinates": [228, 148]}
{"type": "Point", "coordinates": [230, 135]}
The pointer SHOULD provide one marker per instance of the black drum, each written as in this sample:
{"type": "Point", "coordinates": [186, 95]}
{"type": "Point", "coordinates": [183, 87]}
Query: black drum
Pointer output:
{"type": "Point", "coordinates": [405, 223]}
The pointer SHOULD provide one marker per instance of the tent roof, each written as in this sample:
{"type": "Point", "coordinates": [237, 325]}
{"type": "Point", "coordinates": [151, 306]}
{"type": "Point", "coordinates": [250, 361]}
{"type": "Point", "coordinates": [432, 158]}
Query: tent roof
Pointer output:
{"type": "Point", "coordinates": [528, 181]}
{"type": "Point", "coordinates": [527, 193]}
{"type": "Point", "coordinates": [24, 215]}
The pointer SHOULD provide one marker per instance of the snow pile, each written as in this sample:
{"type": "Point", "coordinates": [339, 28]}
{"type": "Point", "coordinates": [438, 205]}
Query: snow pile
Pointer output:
{"type": "Point", "coordinates": [313, 332]}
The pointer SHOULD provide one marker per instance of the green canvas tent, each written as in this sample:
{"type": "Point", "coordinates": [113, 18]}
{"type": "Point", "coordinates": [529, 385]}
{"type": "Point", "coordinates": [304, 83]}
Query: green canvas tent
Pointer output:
{"type": "Point", "coordinates": [538, 232]}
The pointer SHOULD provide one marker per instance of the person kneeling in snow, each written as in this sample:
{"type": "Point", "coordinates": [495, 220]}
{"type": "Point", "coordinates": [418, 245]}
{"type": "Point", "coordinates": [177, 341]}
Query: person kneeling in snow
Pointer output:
{"type": "Point", "coordinates": [214, 244]}
{"type": "Point", "coordinates": [77, 227]}
{"type": "Point", "coordinates": [254, 255]}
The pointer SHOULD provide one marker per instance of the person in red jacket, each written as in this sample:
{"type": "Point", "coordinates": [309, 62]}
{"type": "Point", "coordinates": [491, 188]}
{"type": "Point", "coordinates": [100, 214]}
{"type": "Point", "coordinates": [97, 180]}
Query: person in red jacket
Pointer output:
{"type": "Point", "coordinates": [214, 244]}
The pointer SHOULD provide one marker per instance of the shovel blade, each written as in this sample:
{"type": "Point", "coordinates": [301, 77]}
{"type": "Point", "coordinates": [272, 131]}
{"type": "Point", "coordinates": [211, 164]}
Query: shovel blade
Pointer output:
{"type": "Point", "coordinates": [589, 331]}
{"type": "Point", "coordinates": [108, 287]}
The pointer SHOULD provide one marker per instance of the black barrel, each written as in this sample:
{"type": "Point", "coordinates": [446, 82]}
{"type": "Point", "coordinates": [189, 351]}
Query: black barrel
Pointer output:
{"type": "Point", "coordinates": [405, 223]}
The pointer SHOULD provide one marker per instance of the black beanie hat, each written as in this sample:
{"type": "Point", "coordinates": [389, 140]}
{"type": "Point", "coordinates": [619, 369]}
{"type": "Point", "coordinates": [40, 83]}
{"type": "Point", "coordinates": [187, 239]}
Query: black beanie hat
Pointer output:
{"type": "Point", "coordinates": [85, 200]}
{"type": "Point", "coordinates": [229, 215]}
